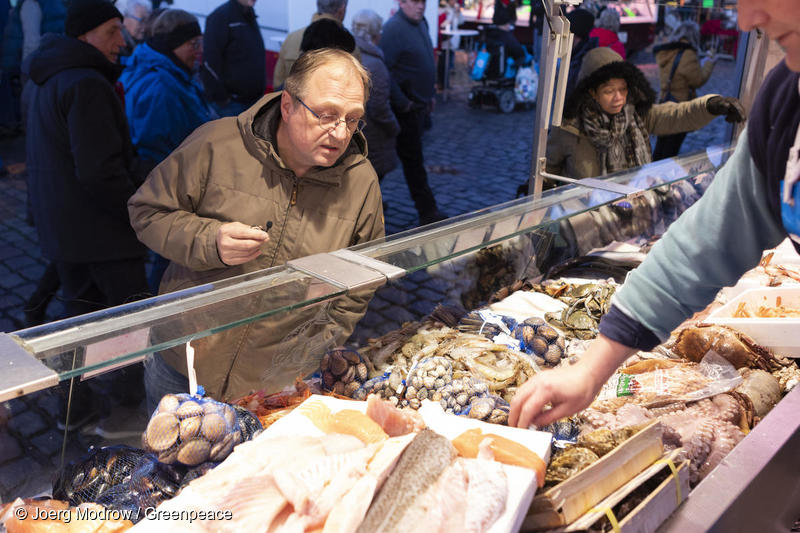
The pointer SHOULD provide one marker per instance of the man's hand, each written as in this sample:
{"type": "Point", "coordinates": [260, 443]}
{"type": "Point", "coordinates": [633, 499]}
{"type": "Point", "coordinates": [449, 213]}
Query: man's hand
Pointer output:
{"type": "Point", "coordinates": [238, 243]}
{"type": "Point", "coordinates": [569, 389]}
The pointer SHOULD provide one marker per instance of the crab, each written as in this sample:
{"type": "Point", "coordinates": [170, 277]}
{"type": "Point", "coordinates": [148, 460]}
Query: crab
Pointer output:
{"type": "Point", "coordinates": [740, 350]}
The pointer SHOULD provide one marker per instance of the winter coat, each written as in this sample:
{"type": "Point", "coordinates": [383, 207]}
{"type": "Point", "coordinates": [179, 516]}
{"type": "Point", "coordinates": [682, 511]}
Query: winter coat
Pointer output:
{"type": "Point", "coordinates": [225, 172]}
{"type": "Point", "coordinates": [408, 53]}
{"type": "Point", "coordinates": [382, 127]}
{"type": "Point", "coordinates": [606, 37]}
{"type": "Point", "coordinates": [505, 12]}
{"type": "Point", "coordinates": [79, 155]}
{"type": "Point", "coordinates": [689, 75]}
{"type": "Point", "coordinates": [164, 104]}
{"type": "Point", "coordinates": [234, 59]}
{"type": "Point", "coordinates": [571, 153]}
{"type": "Point", "coordinates": [290, 50]}
{"type": "Point", "coordinates": [54, 12]}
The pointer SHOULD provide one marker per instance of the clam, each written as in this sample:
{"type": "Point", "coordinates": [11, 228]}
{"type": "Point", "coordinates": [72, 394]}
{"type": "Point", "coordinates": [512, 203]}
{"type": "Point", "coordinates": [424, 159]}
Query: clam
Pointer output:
{"type": "Point", "coordinates": [351, 356]}
{"type": "Point", "coordinates": [351, 388]}
{"type": "Point", "coordinates": [168, 456]}
{"type": "Point", "coordinates": [162, 431]}
{"type": "Point", "coordinates": [210, 407]}
{"type": "Point", "coordinates": [325, 362]}
{"type": "Point", "coordinates": [348, 375]}
{"type": "Point", "coordinates": [328, 380]}
{"type": "Point", "coordinates": [213, 427]}
{"type": "Point", "coordinates": [193, 452]}
{"type": "Point", "coordinates": [361, 372]}
{"type": "Point", "coordinates": [229, 415]}
{"type": "Point", "coordinates": [481, 408]}
{"type": "Point", "coordinates": [338, 388]}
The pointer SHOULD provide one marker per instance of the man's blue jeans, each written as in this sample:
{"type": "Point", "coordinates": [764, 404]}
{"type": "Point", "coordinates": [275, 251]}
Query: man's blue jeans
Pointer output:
{"type": "Point", "coordinates": [160, 379]}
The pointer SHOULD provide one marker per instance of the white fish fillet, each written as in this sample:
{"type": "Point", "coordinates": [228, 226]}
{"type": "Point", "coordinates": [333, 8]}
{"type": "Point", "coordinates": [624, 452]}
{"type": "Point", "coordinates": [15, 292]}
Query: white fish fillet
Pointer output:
{"type": "Point", "coordinates": [349, 512]}
{"type": "Point", "coordinates": [487, 493]}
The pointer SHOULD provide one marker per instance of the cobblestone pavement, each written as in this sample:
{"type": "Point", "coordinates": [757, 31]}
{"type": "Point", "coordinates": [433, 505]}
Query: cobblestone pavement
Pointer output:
{"type": "Point", "coordinates": [475, 158]}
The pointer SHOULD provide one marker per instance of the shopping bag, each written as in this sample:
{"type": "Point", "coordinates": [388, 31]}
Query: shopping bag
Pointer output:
{"type": "Point", "coordinates": [481, 62]}
{"type": "Point", "coordinates": [526, 85]}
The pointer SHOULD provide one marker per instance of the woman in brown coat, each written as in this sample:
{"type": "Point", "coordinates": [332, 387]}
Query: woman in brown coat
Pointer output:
{"type": "Point", "coordinates": [681, 74]}
{"type": "Point", "coordinates": [609, 117]}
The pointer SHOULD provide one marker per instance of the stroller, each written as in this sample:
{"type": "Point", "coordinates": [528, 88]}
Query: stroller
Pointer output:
{"type": "Point", "coordinates": [498, 77]}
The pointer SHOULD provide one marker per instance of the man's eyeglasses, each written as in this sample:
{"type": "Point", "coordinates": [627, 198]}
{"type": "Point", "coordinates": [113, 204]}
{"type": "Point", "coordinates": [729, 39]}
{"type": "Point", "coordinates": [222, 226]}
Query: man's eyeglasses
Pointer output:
{"type": "Point", "coordinates": [331, 122]}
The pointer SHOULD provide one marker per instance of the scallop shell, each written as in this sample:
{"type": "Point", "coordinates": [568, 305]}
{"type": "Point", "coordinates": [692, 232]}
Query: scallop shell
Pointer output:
{"type": "Point", "coordinates": [210, 407]}
{"type": "Point", "coordinates": [214, 427]}
{"type": "Point", "coordinates": [193, 452]}
{"type": "Point", "coordinates": [168, 404]}
{"type": "Point", "coordinates": [222, 449]}
{"type": "Point", "coordinates": [351, 357]}
{"type": "Point", "coordinates": [189, 427]}
{"type": "Point", "coordinates": [162, 431]}
{"type": "Point", "coordinates": [338, 364]}
{"type": "Point", "coordinates": [189, 408]}
{"type": "Point", "coordinates": [229, 415]}
{"type": "Point", "coordinates": [328, 380]}
{"type": "Point", "coordinates": [168, 456]}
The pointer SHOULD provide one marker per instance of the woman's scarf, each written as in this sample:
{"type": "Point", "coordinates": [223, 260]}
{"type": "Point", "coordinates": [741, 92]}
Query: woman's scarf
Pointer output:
{"type": "Point", "coordinates": [621, 140]}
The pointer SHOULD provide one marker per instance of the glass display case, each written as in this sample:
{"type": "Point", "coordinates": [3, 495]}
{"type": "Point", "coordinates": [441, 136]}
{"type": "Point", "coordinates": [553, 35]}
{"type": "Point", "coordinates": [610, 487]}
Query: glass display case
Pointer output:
{"type": "Point", "coordinates": [460, 261]}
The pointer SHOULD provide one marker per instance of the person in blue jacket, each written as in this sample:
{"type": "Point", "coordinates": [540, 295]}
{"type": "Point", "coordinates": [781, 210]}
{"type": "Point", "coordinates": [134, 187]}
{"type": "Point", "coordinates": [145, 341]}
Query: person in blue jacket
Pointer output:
{"type": "Point", "coordinates": [752, 205]}
{"type": "Point", "coordinates": [163, 101]}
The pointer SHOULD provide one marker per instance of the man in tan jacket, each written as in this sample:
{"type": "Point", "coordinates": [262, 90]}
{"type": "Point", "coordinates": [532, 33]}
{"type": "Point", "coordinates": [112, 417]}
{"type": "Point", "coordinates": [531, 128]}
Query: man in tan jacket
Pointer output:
{"type": "Point", "coordinates": [290, 49]}
{"type": "Point", "coordinates": [295, 161]}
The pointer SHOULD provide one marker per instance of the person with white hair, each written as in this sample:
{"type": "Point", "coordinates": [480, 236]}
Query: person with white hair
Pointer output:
{"type": "Point", "coordinates": [135, 12]}
{"type": "Point", "coordinates": [681, 74]}
{"type": "Point", "coordinates": [382, 126]}
{"type": "Point", "coordinates": [607, 29]}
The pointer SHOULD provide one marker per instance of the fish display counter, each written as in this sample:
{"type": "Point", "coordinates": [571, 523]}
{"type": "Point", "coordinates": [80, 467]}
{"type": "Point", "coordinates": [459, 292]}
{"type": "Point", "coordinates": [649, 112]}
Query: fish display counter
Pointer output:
{"type": "Point", "coordinates": [435, 294]}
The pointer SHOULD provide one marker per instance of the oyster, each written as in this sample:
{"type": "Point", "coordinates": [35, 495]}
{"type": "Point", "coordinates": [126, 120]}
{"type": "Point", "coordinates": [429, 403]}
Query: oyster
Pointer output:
{"type": "Point", "coordinates": [568, 463]}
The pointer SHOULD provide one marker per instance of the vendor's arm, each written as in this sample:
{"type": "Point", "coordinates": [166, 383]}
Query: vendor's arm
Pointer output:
{"type": "Point", "coordinates": [709, 247]}
{"type": "Point", "coordinates": [679, 117]}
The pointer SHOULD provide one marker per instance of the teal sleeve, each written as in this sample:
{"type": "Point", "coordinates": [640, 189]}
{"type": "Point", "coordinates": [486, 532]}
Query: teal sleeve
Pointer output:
{"type": "Point", "coordinates": [709, 247]}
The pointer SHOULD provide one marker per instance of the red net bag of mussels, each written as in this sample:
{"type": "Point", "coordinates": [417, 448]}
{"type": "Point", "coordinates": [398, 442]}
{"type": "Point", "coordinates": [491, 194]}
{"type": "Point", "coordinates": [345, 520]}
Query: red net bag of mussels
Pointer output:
{"type": "Point", "coordinates": [190, 430]}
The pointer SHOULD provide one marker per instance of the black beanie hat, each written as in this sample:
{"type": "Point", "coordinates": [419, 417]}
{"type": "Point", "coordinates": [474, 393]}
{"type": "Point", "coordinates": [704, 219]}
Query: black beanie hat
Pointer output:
{"type": "Point", "coordinates": [581, 22]}
{"type": "Point", "coordinates": [86, 15]}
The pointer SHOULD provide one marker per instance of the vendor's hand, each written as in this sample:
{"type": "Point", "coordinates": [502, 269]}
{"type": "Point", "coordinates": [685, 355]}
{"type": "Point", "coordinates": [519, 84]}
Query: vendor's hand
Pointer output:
{"type": "Point", "coordinates": [728, 106]}
{"type": "Point", "coordinates": [239, 243]}
{"type": "Point", "coordinates": [567, 389]}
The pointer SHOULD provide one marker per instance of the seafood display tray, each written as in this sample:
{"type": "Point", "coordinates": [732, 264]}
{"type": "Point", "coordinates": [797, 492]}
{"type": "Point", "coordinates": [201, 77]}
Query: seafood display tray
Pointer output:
{"type": "Point", "coordinates": [521, 481]}
{"type": "Point", "coordinates": [778, 334]}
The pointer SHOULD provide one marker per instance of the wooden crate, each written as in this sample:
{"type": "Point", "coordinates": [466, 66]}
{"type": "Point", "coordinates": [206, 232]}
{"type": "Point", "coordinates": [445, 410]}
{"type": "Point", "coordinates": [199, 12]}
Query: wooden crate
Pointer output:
{"type": "Point", "coordinates": [646, 516]}
{"type": "Point", "coordinates": [572, 498]}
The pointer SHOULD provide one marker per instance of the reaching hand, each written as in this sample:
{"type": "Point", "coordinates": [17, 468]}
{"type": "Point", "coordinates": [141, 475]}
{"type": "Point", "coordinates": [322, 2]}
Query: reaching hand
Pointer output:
{"type": "Point", "coordinates": [728, 106]}
{"type": "Point", "coordinates": [569, 389]}
{"type": "Point", "coordinates": [239, 243]}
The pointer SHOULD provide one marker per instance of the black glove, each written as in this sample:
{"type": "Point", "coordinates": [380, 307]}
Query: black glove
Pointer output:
{"type": "Point", "coordinates": [728, 106]}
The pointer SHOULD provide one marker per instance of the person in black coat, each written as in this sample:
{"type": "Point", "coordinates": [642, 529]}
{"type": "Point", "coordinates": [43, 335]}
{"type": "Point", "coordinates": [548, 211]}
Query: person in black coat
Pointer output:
{"type": "Point", "coordinates": [234, 70]}
{"type": "Point", "coordinates": [80, 162]}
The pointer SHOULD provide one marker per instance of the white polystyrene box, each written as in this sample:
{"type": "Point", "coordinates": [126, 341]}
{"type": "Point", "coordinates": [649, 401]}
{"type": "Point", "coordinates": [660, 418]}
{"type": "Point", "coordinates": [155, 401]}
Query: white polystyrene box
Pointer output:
{"type": "Point", "coordinates": [781, 335]}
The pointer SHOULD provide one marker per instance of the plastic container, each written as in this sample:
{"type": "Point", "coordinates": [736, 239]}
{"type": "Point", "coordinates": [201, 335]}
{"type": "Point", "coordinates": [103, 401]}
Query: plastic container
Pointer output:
{"type": "Point", "coordinates": [781, 335]}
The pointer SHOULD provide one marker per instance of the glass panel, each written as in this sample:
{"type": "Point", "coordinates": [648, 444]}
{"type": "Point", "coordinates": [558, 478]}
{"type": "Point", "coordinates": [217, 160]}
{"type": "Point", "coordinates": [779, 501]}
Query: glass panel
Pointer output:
{"type": "Point", "coordinates": [96, 340]}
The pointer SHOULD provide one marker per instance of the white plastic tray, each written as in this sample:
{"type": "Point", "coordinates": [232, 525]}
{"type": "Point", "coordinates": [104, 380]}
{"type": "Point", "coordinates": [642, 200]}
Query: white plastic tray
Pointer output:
{"type": "Point", "coordinates": [781, 335]}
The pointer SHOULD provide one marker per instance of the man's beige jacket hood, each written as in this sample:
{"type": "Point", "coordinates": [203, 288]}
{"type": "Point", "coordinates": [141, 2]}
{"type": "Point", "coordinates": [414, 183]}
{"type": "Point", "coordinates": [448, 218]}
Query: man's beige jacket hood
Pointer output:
{"type": "Point", "coordinates": [225, 172]}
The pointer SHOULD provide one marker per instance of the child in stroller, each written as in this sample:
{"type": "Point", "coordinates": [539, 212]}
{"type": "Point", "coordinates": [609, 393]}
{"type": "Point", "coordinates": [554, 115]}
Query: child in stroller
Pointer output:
{"type": "Point", "coordinates": [496, 70]}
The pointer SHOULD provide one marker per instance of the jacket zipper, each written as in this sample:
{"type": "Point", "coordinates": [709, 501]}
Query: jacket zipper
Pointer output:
{"type": "Point", "coordinates": [285, 219]}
